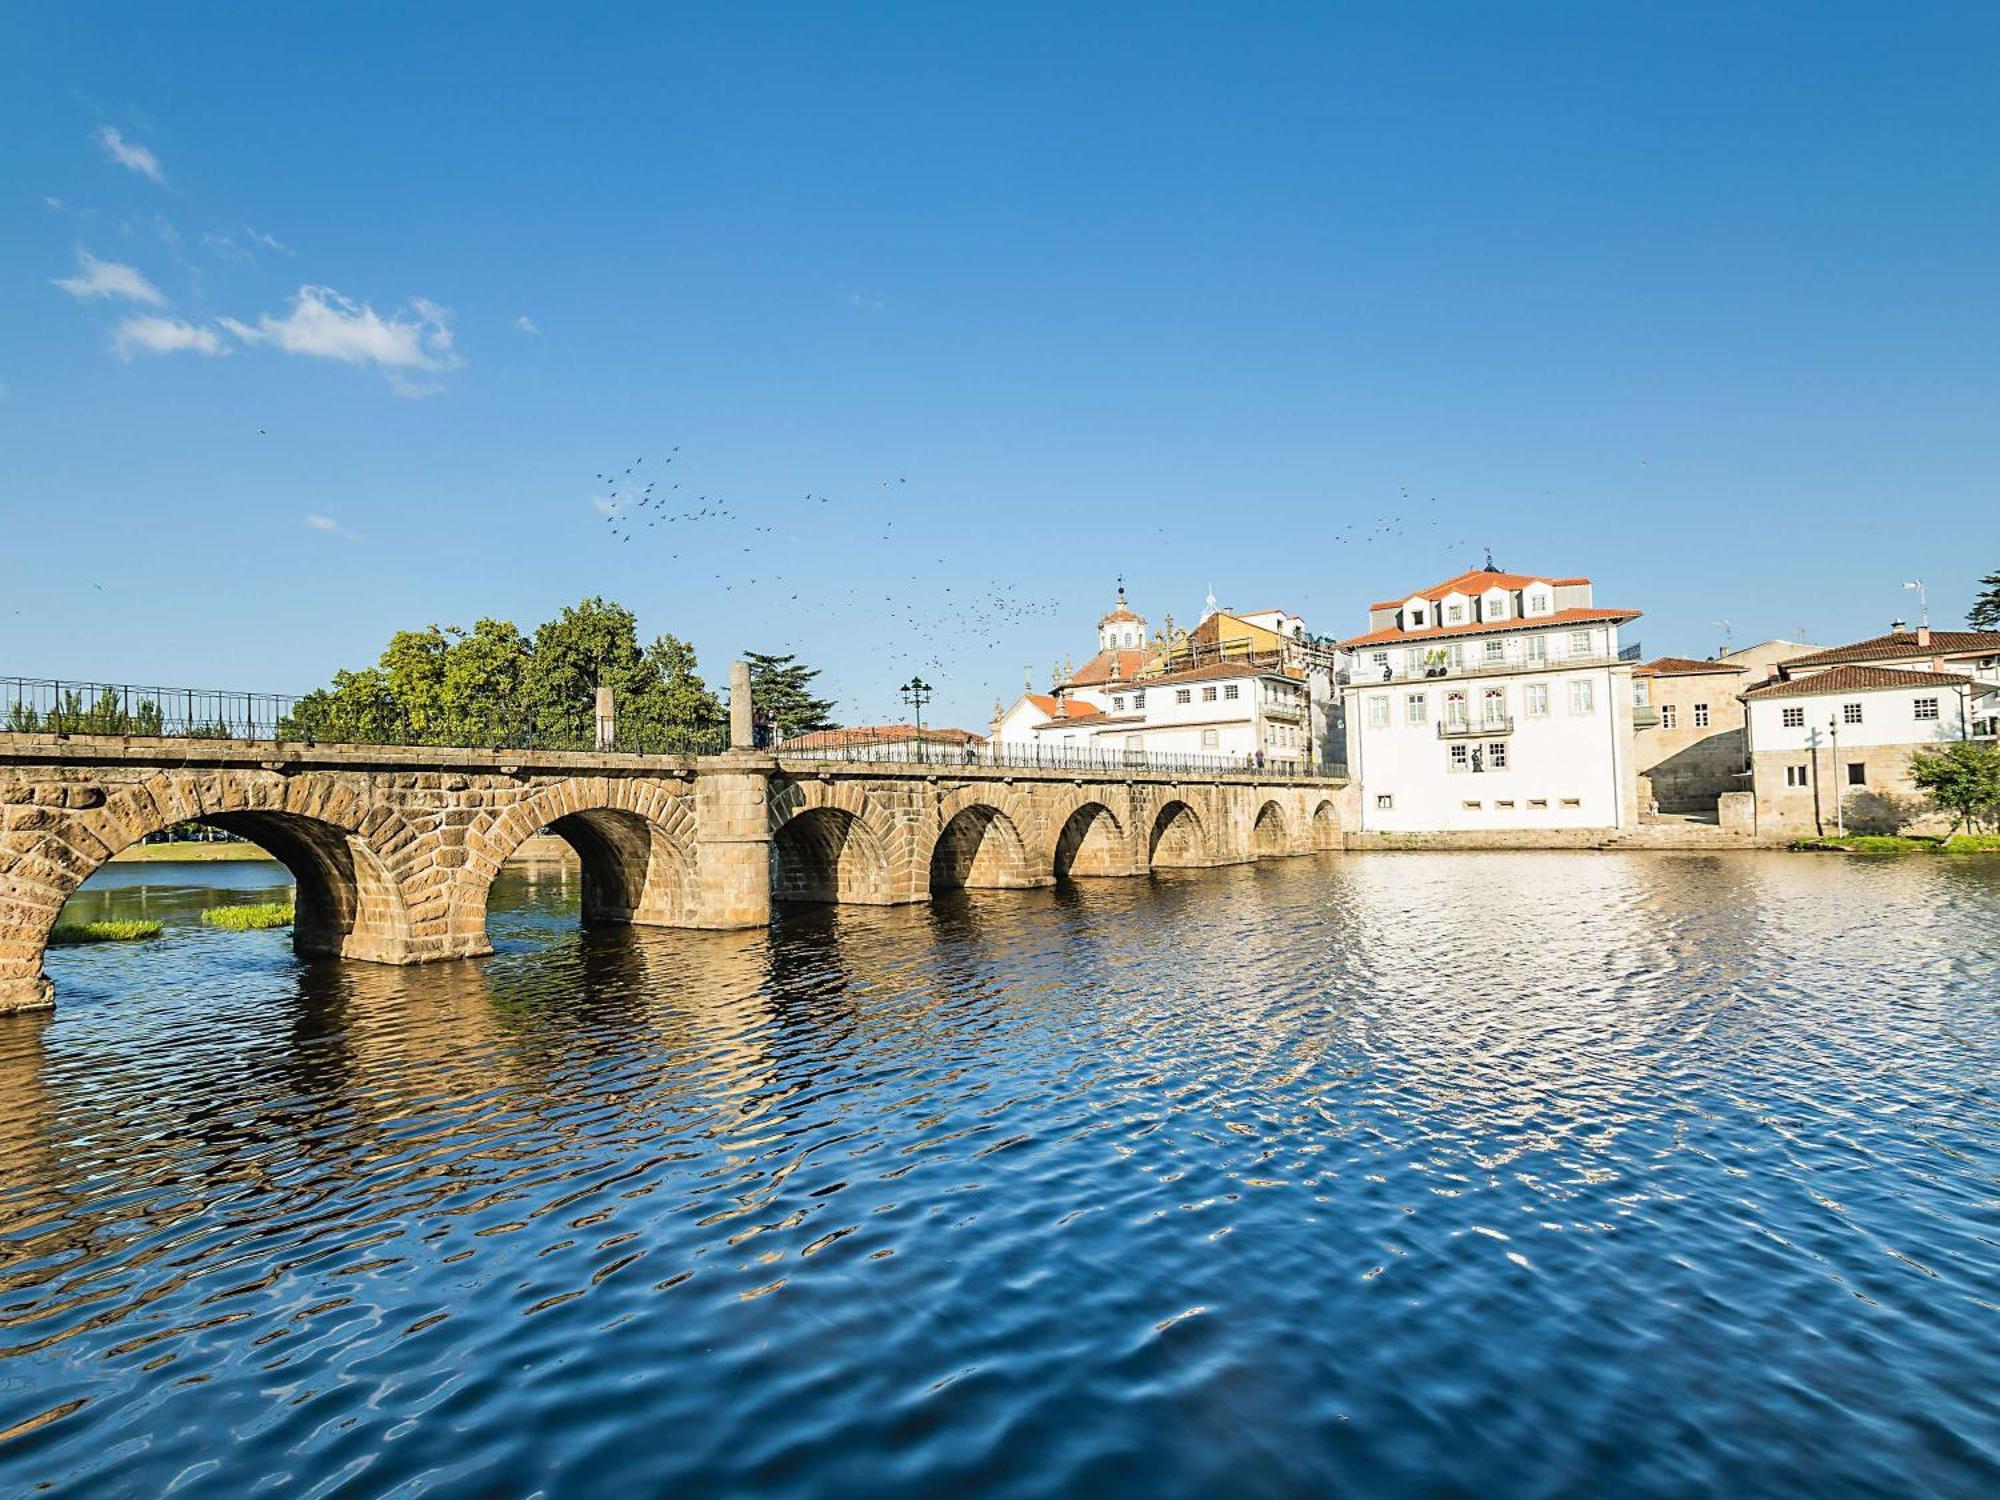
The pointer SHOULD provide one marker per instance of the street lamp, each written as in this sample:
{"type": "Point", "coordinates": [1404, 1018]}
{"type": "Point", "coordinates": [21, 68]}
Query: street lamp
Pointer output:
{"type": "Point", "coordinates": [916, 692]}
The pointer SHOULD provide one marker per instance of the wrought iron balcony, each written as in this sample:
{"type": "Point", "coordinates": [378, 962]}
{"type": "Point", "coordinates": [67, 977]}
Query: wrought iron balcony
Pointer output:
{"type": "Point", "coordinates": [1475, 729]}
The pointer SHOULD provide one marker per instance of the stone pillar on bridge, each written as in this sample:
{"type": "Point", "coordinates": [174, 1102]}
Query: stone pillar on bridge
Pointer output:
{"type": "Point", "coordinates": [733, 816]}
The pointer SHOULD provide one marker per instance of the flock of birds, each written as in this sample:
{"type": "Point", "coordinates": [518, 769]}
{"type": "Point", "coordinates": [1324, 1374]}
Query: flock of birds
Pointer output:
{"type": "Point", "coordinates": [923, 625]}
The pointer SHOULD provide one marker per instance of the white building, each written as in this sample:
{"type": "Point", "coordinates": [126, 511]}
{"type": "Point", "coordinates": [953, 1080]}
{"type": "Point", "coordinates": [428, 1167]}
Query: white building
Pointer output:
{"type": "Point", "coordinates": [1492, 701]}
{"type": "Point", "coordinates": [1236, 687]}
{"type": "Point", "coordinates": [1831, 735]}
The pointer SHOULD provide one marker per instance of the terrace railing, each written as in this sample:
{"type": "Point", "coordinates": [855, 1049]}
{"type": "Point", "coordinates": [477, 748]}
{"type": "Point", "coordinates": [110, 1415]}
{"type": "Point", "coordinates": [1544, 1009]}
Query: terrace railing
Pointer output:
{"type": "Point", "coordinates": [61, 707]}
{"type": "Point", "coordinates": [905, 749]}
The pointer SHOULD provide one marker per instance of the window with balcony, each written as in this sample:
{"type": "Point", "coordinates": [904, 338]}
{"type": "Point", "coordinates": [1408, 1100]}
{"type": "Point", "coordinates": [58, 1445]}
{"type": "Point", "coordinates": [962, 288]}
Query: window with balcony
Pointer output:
{"type": "Point", "coordinates": [1925, 708]}
{"type": "Point", "coordinates": [1793, 718]}
{"type": "Point", "coordinates": [1850, 713]}
{"type": "Point", "coordinates": [1701, 716]}
{"type": "Point", "coordinates": [1454, 710]}
{"type": "Point", "coordinates": [1493, 706]}
{"type": "Point", "coordinates": [1670, 716]}
{"type": "Point", "coordinates": [1496, 651]}
{"type": "Point", "coordinates": [1534, 650]}
{"type": "Point", "coordinates": [1579, 643]}
{"type": "Point", "coordinates": [1582, 697]}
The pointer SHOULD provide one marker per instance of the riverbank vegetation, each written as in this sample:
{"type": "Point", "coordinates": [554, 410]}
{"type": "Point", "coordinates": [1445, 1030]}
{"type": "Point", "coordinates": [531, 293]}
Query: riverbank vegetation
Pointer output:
{"type": "Point", "coordinates": [70, 934]}
{"type": "Point", "coordinates": [493, 685]}
{"type": "Point", "coordinates": [254, 916]}
{"type": "Point", "coordinates": [1904, 843]}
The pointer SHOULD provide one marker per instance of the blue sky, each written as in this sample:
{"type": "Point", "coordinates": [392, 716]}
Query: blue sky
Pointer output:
{"type": "Point", "coordinates": [1699, 301]}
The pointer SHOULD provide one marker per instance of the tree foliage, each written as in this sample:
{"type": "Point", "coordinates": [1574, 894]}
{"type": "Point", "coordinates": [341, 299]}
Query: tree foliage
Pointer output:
{"type": "Point", "coordinates": [492, 685]}
{"type": "Point", "coordinates": [1963, 778]}
{"type": "Point", "coordinates": [1985, 611]}
{"type": "Point", "coordinates": [781, 689]}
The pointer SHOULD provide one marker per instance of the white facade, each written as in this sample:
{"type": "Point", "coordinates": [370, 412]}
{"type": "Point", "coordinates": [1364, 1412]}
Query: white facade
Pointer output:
{"type": "Point", "coordinates": [1493, 702]}
{"type": "Point", "coordinates": [1857, 718]}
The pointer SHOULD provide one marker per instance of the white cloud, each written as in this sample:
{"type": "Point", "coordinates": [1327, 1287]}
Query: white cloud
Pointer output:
{"type": "Point", "coordinates": [146, 334]}
{"type": "Point", "coordinates": [53, 202]}
{"type": "Point", "coordinates": [526, 324]}
{"type": "Point", "coordinates": [108, 278]}
{"type": "Point", "coordinates": [269, 242]}
{"type": "Point", "coordinates": [330, 526]}
{"type": "Point", "coordinates": [129, 153]}
{"type": "Point", "coordinates": [227, 245]}
{"type": "Point", "coordinates": [325, 325]}
{"type": "Point", "coordinates": [604, 505]}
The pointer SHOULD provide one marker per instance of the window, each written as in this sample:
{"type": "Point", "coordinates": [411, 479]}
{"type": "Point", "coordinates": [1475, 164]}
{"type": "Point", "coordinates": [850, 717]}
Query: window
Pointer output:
{"type": "Point", "coordinates": [1470, 806]}
{"type": "Point", "coordinates": [1582, 696]}
{"type": "Point", "coordinates": [1381, 659]}
{"type": "Point", "coordinates": [1793, 718]}
{"type": "Point", "coordinates": [1138, 700]}
{"type": "Point", "coordinates": [1538, 802]}
{"type": "Point", "coordinates": [1496, 607]}
{"type": "Point", "coordinates": [1118, 704]}
{"type": "Point", "coordinates": [1857, 773]}
{"type": "Point", "coordinates": [1534, 649]}
{"type": "Point", "coordinates": [1496, 650]}
{"type": "Point", "coordinates": [1535, 699]}
{"type": "Point", "coordinates": [1493, 706]}
{"type": "Point", "coordinates": [1496, 756]}
{"type": "Point", "coordinates": [1461, 759]}
{"type": "Point", "coordinates": [1850, 713]}
{"type": "Point", "coordinates": [1416, 618]}
{"type": "Point", "coordinates": [1454, 710]}
{"type": "Point", "coordinates": [1128, 637]}
{"type": "Point", "coordinates": [1572, 802]}
{"type": "Point", "coordinates": [1456, 614]}
{"type": "Point", "coordinates": [1416, 708]}
{"type": "Point", "coordinates": [1211, 738]}
{"type": "Point", "coordinates": [1208, 695]}
{"type": "Point", "coordinates": [1579, 643]}
{"type": "Point", "coordinates": [1378, 712]}
{"type": "Point", "coordinates": [1505, 803]}
{"type": "Point", "coordinates": [1795, 776]}
{"type": "Point", "coordinates": [1183, 695]}
{"type": "Point", "coordinates": [1670, 716]}
{"type": "Point", "coordinates": [1538, 604]}
{"type": "Point", "coordinates": [1231, 691]}
{"type": "Point", "coordinates": [1926, 708]}
{"type": "Point", "coordinates": [1701, 716]}
{"type": "Point", "coordinates": [1384, 802]}
{"type": "Point", "coordinates": [1642, 691]}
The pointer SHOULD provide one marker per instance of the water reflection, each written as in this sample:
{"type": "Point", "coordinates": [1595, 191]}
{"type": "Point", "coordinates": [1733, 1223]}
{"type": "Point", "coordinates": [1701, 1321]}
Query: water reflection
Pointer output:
{"type": "Point", "coordinates": [1388, 1174]}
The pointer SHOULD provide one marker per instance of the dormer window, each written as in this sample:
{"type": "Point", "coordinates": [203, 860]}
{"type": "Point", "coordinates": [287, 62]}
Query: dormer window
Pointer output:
{"type": "Point", "coordinates": [1455, 615]}
{"type": "Point", "coordinates": [1538, 603]}
{"type": "Point", "coordinates": [1416, 619]}
{"type": "Point", "coordinates": [1496, 606]}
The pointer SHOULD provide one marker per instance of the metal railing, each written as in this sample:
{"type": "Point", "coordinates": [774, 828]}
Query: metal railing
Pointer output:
{"type": "Point", "coordinates": [1369, 674]}
{"type": "Point", "coordinates": [60, 707]}
{"type": "Point", "coordinates": [1472, 729]}
{"type": "Point", "coordinates": [906, 750]}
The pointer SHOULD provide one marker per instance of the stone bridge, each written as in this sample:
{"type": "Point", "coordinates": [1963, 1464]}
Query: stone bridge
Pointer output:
{"type": "Point", "coordinates": [394, 850]}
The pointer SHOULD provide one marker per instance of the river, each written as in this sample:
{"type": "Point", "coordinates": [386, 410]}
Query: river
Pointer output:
{"type": "Point", "coordinates": [1422, 1174]}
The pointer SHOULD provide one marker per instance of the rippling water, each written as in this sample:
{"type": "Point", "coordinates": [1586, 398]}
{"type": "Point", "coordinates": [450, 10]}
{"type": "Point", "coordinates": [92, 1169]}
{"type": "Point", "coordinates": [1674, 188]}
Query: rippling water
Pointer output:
{"type": "Point", "coordinates": [1388, 1175]}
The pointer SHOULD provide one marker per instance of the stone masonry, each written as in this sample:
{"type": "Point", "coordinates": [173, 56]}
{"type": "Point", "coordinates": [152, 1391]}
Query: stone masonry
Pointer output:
{"type": "Point", "coordinates": [394, 850]}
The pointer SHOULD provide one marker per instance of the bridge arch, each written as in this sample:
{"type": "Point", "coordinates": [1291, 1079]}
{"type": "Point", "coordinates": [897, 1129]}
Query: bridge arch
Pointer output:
{"type": "Point", "coordinates": [1178, 840]}
{"type": "Point", "coordinates": [350, 898]}
{"type": "Point", "coordinates": [634, 839]}
{"type": "Point", "coordinates": [831, 843]}
{"type": "Point", "coordinates": [1090, 840]}
{"type": "Point", "coordinates": [1271, 834]}
{"type": "Point", "coordinates": [981, 846]}
{"type": "Point", "coordinates": [1325, 827]}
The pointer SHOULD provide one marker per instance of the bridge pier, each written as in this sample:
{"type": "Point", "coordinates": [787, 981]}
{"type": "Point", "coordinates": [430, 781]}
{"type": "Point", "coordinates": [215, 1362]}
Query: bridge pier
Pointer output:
{"type": "Point", "coordinates": [733, 849]}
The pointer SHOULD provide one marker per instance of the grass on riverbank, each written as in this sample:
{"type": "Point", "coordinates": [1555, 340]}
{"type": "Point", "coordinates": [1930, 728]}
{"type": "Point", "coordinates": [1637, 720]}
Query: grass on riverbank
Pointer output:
{"type": "Point", "coordinates": [253, 917]}
{"type": "Point", "coordinates": [68, 934]}
{"type": "Point", "coordinates": [1899, 843]}
{"type": "Point", "coordinates": [210, 851]}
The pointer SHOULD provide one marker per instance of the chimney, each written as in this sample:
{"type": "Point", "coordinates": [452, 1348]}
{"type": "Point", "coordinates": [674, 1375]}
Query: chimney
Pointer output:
{"type": "Point", "coordinates": [1924, 635]}
{"type": "Point", "coordinates": [1897, 627]}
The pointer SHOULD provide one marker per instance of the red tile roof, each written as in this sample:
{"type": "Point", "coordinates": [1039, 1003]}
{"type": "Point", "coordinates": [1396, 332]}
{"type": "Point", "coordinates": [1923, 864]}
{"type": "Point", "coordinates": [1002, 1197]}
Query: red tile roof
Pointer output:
{"type": "Point", "coordinates": [1902, 643]}
{"type": "Point", "coordinates": [1851, 680]}
{"type": "Point", "coordinates": [1211, 672]}
{"type": "Point", "coordinates": [1683, 666]}
{"type": "Point", "coordinates": [1097, 671]}
{"type": "Point", "coordinates": [1487, 627]}
{"type": "Point", "coordinates": [1478, 581]}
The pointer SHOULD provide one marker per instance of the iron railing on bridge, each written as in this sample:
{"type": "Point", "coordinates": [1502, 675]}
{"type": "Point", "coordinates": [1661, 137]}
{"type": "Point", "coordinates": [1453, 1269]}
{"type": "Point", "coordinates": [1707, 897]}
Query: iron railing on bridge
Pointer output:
{"type": "Point", "coordinates": [47, 705]}
{"type": "Point", "coordinates": [942, 751]}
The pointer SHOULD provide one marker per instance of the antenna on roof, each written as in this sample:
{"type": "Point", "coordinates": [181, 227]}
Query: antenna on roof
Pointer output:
{"type": "Point", "coordinates": [1724, 624]}
{"type": "Point", "coordinates": [1489, 560]}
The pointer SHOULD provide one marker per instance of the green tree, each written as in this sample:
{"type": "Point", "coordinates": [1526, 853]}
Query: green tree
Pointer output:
{"type": "Point", "coordinates": [674, 699]}
{"type": "Point", "coordinates": [1985, 611]}
{"type": "Point", "coordinates": [1963, 779]}
{"type": "Point", "coordinates": [781, 691]}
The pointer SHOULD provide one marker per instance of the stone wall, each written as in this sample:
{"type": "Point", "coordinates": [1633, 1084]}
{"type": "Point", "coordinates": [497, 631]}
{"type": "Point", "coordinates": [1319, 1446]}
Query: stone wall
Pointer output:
{"type": "Point", "coordinates": [1886, 801]}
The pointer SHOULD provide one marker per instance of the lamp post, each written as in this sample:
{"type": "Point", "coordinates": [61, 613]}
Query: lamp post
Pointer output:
{"type": "Point", "coordinates": [916, 692]}
{"type": "Point", "coordinates": [1839, 787]}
